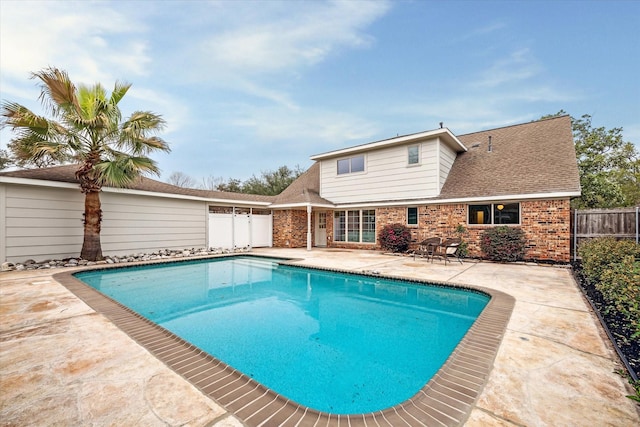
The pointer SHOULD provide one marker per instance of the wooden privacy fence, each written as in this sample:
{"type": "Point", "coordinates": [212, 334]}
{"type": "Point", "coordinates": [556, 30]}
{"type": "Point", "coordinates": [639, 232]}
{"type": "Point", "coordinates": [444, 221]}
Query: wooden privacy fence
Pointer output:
{"type": "Point", "coordinates": [621, 223]}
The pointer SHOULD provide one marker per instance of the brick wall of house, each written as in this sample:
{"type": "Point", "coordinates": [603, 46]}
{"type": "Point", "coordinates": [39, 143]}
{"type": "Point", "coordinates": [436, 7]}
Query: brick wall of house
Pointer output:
{"type": "Point", "coordinates": [546, 224]}
{"type": "Point", "coordinates": [290, 229]}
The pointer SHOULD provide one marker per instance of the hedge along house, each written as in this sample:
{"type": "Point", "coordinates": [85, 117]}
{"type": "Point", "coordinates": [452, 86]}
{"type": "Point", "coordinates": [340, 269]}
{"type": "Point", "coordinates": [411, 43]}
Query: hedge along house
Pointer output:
{"type": "Point", "coordinates": [522, 175]}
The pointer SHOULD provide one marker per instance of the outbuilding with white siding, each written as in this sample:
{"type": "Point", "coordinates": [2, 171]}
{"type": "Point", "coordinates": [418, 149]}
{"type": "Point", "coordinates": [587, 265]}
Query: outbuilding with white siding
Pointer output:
{"type": "Point", "coordinates": [41, 212]}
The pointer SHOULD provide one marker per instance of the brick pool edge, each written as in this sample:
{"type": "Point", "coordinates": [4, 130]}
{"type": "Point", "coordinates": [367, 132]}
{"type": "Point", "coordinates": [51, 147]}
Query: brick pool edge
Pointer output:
{"type": "Point", "coordinates": [447, 399]}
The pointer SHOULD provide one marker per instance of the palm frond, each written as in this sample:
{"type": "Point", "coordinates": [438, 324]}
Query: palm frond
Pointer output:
{"type": "Point", "coordinates": [124, 170]}
{"type": "Point", "coordinates": [17, 116]}
{"type": "Point", "coordinates": [135, 131]}
{"type": "Point", "coordinates": [120, 89]}
{"type": "Point", "coordinates": [58, 93]}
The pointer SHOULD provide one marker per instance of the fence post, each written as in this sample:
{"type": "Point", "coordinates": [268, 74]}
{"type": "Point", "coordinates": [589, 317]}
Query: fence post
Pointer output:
{"type": "Point", "coordinates": [575, 235]}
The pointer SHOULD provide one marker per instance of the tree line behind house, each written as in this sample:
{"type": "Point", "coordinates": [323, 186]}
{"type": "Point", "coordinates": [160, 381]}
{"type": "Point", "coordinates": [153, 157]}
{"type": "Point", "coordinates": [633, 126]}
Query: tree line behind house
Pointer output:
{"type": "Point", "coordinates": [269, 183]}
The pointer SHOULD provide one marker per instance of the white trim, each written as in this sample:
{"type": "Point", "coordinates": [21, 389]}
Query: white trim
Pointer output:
{"type": "Point", "coordinates": [302, 205]}
{"type": "Point", "coordinates": [234, 202]}
{"type": "Point", "coordinates": [518, 197]}
{"type": "Point", "coordinates": [309, 233]}
{"type": "Point", "coordinates": [38, 182]}
{"type": "Point", "coordinates": [450, 137]}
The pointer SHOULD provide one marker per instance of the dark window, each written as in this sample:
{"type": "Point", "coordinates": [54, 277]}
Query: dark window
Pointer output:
{"type": "Point", "coordinates": [412, 216]}
{"type": "Point", "coordinates": [507, 213]}
{"type": "Point", "coordinates": [495, 213]}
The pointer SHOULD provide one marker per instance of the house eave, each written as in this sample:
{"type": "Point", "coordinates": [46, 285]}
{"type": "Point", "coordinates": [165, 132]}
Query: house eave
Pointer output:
{"type": "Point", "coordinates": [439, 201]}
{"type": "Point", "coordinates": [302, 205]}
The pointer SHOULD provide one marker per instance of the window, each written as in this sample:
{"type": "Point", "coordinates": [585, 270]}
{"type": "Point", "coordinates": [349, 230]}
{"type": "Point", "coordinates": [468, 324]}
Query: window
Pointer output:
{"type": "Point", "coordinates": [351, 165]}
{"type": "Point", "coordinates": [353, 226]}
{"type": "Point", "coordinates": [322, 221]}
{"type": "Point", "coordinates": [357, 226]}
{"type": "Point", "coordinates": [369, 226]}
{"type": "Point", "coordinates": [413, 155]}
{"type": "Point", "coordinates": [412, 216]}
{"type": "Point", "coordinates": [339, 226]}
{"type": "Point", "coordinates": [495, 213]}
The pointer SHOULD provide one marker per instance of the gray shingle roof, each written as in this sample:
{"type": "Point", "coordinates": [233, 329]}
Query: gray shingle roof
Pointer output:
{"type": "Point", "coordinates": [67, 174]}
{"type": "Point", "coordinates": [305, 189]}
{"type": "Point", "coordinates": [530, 158]}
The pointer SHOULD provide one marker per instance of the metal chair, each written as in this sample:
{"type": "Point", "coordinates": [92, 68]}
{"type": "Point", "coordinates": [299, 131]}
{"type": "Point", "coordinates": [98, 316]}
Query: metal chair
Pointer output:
{"type": "Point", "coordinates": [448, 248]}
{"type": "Point", "coordinates": [427, 247]}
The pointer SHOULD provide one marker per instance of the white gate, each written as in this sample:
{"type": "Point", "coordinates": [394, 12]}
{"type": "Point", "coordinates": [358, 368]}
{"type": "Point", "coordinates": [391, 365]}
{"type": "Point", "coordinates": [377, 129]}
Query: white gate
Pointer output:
{"type": "Point", "coordinates": [239, 230]}
{"type": "Point", "coordinates": [262, 231]}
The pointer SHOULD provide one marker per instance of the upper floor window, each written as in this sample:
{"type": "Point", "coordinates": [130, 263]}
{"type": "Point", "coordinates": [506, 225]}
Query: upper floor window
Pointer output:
{"type": "Point", "coordinates": [413, 152]}
{"type": "Point", "coordinates": [351, 165]}
{"type": "Point", "coordinates": [495, 213]}
{"type": "Point", "coordinates": [412, 216]}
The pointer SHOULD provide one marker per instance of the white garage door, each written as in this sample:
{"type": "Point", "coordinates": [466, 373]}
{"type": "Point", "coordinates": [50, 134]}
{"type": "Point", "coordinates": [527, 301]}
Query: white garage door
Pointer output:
{"type": "Point", "coordinates": [229, 231]}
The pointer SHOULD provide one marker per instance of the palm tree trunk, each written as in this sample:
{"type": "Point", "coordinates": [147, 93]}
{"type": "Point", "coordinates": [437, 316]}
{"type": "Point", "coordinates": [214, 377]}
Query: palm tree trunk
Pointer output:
{"type": "Point", "coordinates": [91, 247]}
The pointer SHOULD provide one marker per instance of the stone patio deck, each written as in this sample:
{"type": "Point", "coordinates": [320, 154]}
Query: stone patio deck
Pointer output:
{"type": "Point", "coordinates": [61, 363]}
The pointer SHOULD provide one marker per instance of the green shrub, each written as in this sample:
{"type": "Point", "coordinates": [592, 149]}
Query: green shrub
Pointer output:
{"type": "Point", "coordinates": [395, 238]}
{"type": "Point", "coordinates": [613, 268]}
{"type": "Point", "coordinates": [503, 243]}
{"type": "Point", "coordinates": [598, 254]}
{"type": "Point", "coordinates": [463, 248]}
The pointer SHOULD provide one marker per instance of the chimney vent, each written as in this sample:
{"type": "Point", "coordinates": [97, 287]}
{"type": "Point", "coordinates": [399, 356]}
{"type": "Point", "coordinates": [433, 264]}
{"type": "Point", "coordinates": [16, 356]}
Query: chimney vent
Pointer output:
{"type": "Point", "coordinates": [441, 123]}
{"type": "Point", "coordinates": [490, 149]}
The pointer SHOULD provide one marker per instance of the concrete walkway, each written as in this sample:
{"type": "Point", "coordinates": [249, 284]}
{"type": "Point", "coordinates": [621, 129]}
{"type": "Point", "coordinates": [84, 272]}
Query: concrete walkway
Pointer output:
{"type": "Point", "coordinates": [63, 364]}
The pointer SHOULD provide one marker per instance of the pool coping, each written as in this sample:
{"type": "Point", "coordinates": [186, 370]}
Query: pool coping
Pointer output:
{"type": "Point", "coordinates": [447, 399]}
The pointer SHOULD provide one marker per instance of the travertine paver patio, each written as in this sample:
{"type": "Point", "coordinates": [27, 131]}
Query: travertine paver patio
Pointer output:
{"type": "Point", "coordinates": [63, 364]}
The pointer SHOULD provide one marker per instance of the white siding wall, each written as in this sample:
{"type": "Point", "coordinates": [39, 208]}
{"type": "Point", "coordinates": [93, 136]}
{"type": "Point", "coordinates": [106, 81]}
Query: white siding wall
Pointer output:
{"type": "Point", "coordinates": [46, 223]}
{"type": "Point", "coordinates": [142, 223]}
{"type": "Point", "coordinates": [41, 223]}
{"type": "Point", "coordinates": [447, 157]}
{"type": "Point", "coordinates": [387, 176]}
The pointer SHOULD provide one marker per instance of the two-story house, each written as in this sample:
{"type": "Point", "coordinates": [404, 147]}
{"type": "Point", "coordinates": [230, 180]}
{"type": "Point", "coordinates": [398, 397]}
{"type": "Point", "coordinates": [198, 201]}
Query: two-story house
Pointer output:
{"type": "Point", "coordinates": [434, 182]}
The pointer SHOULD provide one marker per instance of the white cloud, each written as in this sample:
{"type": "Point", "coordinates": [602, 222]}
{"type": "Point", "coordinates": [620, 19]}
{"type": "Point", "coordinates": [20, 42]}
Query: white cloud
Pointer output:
{"type": "Point", "coordinates": [258, 53]}
{"type": "Point", "coordinates": [90, 40]}
{"type": "Point", "coordinates": [518, 66]}
{"type": "Point", "coordinates": [304, 128]}
{"type": "Point", "coordinates": [303, 34]}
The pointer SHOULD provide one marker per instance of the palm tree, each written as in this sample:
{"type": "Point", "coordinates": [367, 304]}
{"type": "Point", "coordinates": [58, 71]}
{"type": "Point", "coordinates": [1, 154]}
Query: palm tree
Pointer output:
{"type": "Point", "coordinates": [86, 129]}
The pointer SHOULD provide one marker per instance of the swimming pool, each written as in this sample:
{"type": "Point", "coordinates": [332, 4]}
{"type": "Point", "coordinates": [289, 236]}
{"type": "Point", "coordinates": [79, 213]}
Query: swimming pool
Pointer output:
{"type": "Point", "coordinates": [335, 342]}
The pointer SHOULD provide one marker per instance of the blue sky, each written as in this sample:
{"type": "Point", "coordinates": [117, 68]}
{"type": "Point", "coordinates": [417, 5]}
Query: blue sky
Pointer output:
{"type": "Point", "coordinates": [248, 86]}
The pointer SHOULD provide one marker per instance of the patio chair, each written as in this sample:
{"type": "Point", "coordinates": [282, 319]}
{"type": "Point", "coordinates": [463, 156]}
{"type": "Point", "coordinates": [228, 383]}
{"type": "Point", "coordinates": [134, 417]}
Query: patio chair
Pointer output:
{"type": "Point", "coordinates": [448, 248]}
{"type": "Point", "coordinates": [427, 247]}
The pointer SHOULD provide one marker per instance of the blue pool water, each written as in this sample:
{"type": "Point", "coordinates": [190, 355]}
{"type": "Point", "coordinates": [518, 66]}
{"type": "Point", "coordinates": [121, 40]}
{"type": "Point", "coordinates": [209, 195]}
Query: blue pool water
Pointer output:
{"type": "Point", "coordinates": [339, 343]}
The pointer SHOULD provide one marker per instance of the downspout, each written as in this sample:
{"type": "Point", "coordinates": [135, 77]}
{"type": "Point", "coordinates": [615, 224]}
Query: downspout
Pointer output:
{"type": "Point", "coordinates": [309, 227]}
